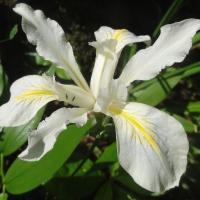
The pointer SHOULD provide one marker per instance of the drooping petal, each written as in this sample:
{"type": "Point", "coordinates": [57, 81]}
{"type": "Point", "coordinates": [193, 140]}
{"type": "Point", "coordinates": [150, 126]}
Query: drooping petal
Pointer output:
{"type": "Point", "coordinates": [50, 40]}
{"type": "Point", "coordinates": [172, 46]}
{"type": "Point", "coordinates": [115, 92]}
{"type": "Point", "coordinates": [105, 64]}
{"type": "Point", "coordinates": [152, 146]}
{"type": "Point", "coordinates": [122, 36]}
{"type": "Point", "coordinates": [42, 140]}
{"type": "Point", "coordinates": [28, 95]}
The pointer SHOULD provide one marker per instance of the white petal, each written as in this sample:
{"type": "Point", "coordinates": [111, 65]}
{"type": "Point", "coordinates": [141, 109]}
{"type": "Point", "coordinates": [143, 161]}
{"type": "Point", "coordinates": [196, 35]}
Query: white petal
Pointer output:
{"type": "Point", "coordinates": [122, 36]}
{"type": "Point", "coordinates": [105, 64]}
{"type": "Point", "coordinates": [50, 40]}
{"type": "Point", "coordinates": [74, 95]}
{"type": "Point", "coordinates": [116, 92]}
{"type": "Point", "coordinates": [152, 146]}
{"type": "Point", "coordinates": [42, 140]}
{"type": "Point", "coordinates": [172, 46]}
{"type": "Point", "coordinates": [28, 95]}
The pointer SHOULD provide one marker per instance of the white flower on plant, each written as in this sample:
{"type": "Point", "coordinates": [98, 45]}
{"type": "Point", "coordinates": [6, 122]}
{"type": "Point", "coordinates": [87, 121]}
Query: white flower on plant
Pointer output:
{"type": "Point", "coordinates": [151, 145]}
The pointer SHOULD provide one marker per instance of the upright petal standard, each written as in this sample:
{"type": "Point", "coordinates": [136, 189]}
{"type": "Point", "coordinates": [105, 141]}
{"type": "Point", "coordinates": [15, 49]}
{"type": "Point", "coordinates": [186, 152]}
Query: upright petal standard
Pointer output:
{"type": "Point", "coordinates": [151, 145]}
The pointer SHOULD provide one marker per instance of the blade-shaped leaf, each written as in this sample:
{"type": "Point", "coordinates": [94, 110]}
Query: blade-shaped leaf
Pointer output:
{"type": "Point", "coordinates": [13, 32]}
{"type": "Point", "coordinates": [170, 72]}
{"type": "Point", "coordinates": [193, 107]}
{"type": "Point", "coordinates": [23, 176]}
{"type": "Point", "coordinates": [157, 91]}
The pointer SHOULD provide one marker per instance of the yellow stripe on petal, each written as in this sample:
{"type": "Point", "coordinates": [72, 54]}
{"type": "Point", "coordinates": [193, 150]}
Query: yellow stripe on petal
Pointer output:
{"type": "Point", "coordinates": [118, 33]}
{"type": "Point", "coordinates": [36, 94]}
{"type": "Point", "coordinates": [135, 123]}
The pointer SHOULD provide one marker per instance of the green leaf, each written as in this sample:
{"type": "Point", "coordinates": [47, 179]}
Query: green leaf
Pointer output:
{"type": "Point", "coordinates": [124, 178]}
{"type": "Point", "coordinates": [193, 107]}
{"type": "Point", "coordinates": [196, 38]}
{"type": "Point", "coordinates": [188, 126]}
{"type": "Point", "coordinates": [157, 91]}
{"type": "Point", "coordinates": [108, 157]}
{"type": "Point", "coordinates": [121, 194]}
{"type": "Point", "coordinates": [61, 73]}
{"type": "Point", "coordinates": [13, 32]}
{"type": "Point", "coordinates": [169, 72]}
{"type": "Point", "coordinates": [3, 196]}
{"type": "Point", "coordinates": [104, 192]}
{"type": "Point", "coordinates": [191, 72]}
{"type": "Point", "coordinates": [37, 59]}
{"type": "Point", "coordinates": [23, 176]}
{"type": "Point", "coordinates": [13, 137]}
{"type": "Point", "coordinates": [68, 185]}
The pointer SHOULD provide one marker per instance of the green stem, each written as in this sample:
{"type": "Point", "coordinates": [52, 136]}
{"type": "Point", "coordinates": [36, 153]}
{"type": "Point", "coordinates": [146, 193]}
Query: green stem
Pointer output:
{"type": "Point", "coordinates": [4, 40]}
{"type": "Point", "coordinates": [2, 173]}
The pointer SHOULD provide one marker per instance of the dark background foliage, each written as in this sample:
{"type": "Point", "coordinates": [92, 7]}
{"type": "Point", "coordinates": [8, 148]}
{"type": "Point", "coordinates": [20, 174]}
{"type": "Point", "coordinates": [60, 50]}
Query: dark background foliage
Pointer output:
{"type": "Point", "coordinates": [79, 19]}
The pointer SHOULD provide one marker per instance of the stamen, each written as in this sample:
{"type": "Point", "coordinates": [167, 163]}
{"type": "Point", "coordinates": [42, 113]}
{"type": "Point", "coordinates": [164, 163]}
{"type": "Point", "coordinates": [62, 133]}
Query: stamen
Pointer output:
{"type": "Point", "coordinates": [66, 96]}
{"type": "Point", "coordinates": [73, 98]}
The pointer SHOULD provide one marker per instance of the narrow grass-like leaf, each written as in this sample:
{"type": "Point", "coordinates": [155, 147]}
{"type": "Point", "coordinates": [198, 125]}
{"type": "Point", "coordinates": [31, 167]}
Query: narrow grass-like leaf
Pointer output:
{"type": "Point", "coordinates": [191, 72]}
{"type": "Point", "coordinates": [24, 176]}
{"type": "Point", "coordinates": [168, 15]}
{"type": "Point", "coordinates": [13, 32]}
{"type": "Point", "coordinates": [157, 91]}
{"type": "Point", "coordinates": [166, 75]}
{"type": "Point", "coordinates": [193, 107]}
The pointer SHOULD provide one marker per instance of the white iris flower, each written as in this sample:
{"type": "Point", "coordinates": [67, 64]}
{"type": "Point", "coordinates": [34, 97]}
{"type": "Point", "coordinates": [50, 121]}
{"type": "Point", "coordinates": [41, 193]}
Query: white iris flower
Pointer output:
{"type": "Point", "coordinates": [151, 145]}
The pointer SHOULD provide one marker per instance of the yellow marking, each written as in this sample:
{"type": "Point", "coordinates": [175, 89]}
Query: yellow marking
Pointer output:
{"type": "Point", "coordinates": [119, 32]}
{"type": "Point", "coordinates": [32, 93]}
{"type": "Point", "coordinates": [134, 121]}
